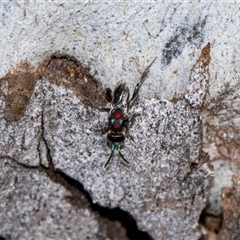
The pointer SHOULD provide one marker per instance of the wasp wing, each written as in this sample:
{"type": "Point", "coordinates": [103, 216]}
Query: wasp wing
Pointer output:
{"type": "Point", "coordinates": [121, 94]}
{"type": "Point", "coordinates": [139, 84]}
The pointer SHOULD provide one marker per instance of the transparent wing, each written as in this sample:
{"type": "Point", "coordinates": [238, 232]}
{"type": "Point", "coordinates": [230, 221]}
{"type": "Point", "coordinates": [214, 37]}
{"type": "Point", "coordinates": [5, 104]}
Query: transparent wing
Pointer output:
{"type": "Point", "coordinates": [139, 84]}
{"type": "Point", "coordinates": [121, 94]}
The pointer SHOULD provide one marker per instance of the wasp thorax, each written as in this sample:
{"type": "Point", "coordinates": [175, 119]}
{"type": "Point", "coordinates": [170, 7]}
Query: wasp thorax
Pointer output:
{"type": "Point", "coordinates": [116, 120]}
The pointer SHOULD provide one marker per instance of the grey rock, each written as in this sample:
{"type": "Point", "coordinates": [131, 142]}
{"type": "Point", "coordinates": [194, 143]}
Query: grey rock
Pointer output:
{"type": "Point", "coordinates": [166, 184]}
{"type": "Point", "coordinates": [167, 177]}
{"type": "Point", "coordinates": [36, 205]}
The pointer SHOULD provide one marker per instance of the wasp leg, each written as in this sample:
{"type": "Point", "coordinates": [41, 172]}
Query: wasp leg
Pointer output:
{"type": "Point", "coordinates": [133, 118]}
{"type": "Point", "coordinates": [98, 108]}
{"type": "Point", "coordinates": [103, 130]}
{"type": "Point", "coordinates": [109, 159]}
{"type": "Point", "coordinates": [131, 138]}
{"type": "Point", "coordinates": [127, 125]}
{"type": "Point", "coordinates": [128, 135]}
{"type": "Point", "coordinates": [139, 84]}
{"type": "Point", "coordinates": [124, 159]}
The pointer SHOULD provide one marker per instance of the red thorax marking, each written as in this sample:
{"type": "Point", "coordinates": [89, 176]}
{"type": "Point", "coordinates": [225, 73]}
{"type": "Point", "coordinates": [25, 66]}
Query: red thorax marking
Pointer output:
{"type": "Point", "coordinates": [117, 124]}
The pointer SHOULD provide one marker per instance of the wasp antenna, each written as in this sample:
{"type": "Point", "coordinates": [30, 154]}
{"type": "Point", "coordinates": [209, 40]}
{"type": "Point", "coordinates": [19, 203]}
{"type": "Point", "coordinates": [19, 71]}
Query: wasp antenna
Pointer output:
{"type": "Point", "coordinates": [152, 62]}
{"type": "Point", "coordinates": [109, 159]}
{"type": "Point", "coordinates": [145, 73]}
{"type": "Point", "coordinates": [124, 159]}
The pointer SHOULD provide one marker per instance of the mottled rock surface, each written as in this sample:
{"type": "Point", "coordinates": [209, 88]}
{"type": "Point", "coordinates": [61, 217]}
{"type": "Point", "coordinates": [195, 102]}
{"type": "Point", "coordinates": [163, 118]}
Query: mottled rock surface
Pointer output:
{"type": "Point", "coordinates": [116, 40]}
{"type": "Point", "coordinates": [167, 181]}
{"type": "Point", "coordinates": [35, 204]}
{"type": "Point", "coordinates": [230, 205]}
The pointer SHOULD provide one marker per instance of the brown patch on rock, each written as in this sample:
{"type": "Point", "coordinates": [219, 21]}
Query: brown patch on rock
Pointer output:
{"type": "Point", "coordinates": [199, 79]}
{"type": "Point", "coordinates": [227, 142]}
{"type": "Point", "coordinates": [205, 54]}
{"type": "Point", "coordinates": [230, 205]}
{"type": "Point", "coordinates": [208, 235]}
{"type": "Point", "coordinates": [68, 72]}
{"type": "Point", "coordinates": [210, 226]}
{"type": "Point", "coordinates": [60, 70]}
{"type": "Point", "coordinates": [21, 81]}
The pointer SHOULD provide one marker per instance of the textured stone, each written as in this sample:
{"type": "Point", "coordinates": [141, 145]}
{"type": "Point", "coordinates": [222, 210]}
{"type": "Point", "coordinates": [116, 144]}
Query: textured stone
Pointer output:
{"type": "Point", "coordinates": [37, 206]}
{"type": "Point", "coordinates": [230, 206]}
{"type": "Point", "coordinates": [168, 173]}
{"type": "Point", "coordinates": [20, 139]}
{"type": "Point", "coordinates": [116, 40]}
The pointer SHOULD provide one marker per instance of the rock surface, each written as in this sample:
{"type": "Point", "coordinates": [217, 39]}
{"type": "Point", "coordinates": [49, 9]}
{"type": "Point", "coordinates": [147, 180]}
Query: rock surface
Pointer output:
{"type": "Point", "coordinates": [116, 41]}
{"type": "Point", "coordinates": [168, 174]}
{"type": "Point", "coordinates": [35, 204]}
{"type": "Point", "coordinates": [231, 214]}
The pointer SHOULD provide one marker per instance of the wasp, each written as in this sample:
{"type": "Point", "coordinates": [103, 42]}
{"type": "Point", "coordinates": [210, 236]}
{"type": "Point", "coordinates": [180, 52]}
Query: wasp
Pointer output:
{"type": "Point", "coordinates": [118, 120]}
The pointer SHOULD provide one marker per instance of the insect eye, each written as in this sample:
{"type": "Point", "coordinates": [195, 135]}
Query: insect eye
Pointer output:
{"type": "Point", "coordinates": [120, 121]}
{"type": "Point", "coordinates": [112, 121]}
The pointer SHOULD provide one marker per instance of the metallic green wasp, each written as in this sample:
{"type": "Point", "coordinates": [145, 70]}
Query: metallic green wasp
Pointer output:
{"type": "Point", "coordinates": [118, 120]}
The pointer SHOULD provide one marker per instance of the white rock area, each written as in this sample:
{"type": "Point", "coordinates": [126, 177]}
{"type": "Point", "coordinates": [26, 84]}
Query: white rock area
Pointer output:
{"type": "Point", "coordinates": [166, 186]}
